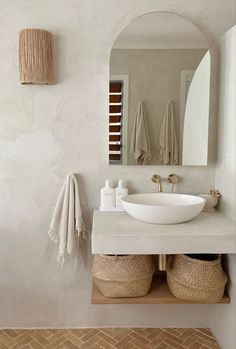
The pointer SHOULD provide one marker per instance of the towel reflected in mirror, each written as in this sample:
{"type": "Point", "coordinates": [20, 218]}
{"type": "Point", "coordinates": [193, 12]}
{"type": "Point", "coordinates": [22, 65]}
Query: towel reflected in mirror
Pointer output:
{"type": "Point", "coordinates": [169, 153]}
{"type": "Point", "coordinates": [140, 140]}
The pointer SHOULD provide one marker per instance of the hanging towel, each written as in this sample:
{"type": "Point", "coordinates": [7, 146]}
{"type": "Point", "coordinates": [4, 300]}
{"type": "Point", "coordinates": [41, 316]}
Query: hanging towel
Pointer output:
{"type": "Point", "coordinates": [169, 154]}
{"type": "Point", "coordinates": [140, 141]}
{"type": "Point", "coordinates": [67, 226]}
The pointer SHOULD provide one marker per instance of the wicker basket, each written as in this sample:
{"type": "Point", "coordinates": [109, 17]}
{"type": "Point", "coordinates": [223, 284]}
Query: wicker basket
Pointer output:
{"type": "Point", "coordinates": [123, 276]}
{"type": "Point", "coordinates": [197, 280]}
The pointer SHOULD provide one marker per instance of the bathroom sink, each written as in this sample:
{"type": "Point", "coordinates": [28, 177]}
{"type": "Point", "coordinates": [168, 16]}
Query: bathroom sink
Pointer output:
{"type": "Point", "coordinates": [163, 208]}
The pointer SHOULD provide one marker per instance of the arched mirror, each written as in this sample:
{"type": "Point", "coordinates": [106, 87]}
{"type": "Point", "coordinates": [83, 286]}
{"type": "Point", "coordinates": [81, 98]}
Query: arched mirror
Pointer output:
{"type": "Point", "coordinates": [159, 93]}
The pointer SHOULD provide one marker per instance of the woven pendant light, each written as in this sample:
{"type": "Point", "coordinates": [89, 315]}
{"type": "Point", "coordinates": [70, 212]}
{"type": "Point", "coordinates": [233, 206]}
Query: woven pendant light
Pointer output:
{"type": "Point", "coordinates": [36, 57]}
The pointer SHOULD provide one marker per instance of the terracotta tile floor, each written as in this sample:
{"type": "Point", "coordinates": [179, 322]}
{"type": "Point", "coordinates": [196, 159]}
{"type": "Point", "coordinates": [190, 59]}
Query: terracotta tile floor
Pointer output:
{"type": "Point", "coordinates": [109, 338]}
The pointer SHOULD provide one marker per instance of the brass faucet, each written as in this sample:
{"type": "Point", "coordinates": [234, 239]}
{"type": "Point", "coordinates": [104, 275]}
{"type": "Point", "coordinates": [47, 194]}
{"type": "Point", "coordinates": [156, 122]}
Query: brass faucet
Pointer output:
{"type": "Point", "coordinates": [173, 178]}
{"type": "Point", "coordinates": [157, 179]}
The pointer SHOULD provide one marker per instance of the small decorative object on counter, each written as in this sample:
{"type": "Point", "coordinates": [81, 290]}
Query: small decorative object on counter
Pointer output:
{"type": "Point", "coordinates": [212, 199]}
{"type": "Point", "coordinates": [107, 197]}
{"type": "Point", "coordinates": [197, 278]}
{"type": "Point", "coordinates": [123, 276]}
{"type": "Point", "coordinates": [120, 191]}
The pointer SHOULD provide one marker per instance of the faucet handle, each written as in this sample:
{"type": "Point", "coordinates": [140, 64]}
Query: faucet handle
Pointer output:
{"type": "Point", "coordinates": [173, 178]}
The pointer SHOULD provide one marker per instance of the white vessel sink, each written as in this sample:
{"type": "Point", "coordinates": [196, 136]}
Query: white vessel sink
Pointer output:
{"type": "Point", "coordinates": [163, 208]}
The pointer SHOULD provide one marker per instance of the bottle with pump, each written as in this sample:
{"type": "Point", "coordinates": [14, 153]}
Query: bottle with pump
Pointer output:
{"type": "Point", "coordinates": [120, 191]}
{"type": "Point", "coordinates": [107, 197]}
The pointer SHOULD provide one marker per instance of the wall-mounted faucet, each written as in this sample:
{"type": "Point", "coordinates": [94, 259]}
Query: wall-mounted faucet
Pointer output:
{"type": "Point", "coordinates": [173, 178]}
{"type": "Point", "coordinates": [157, 179]}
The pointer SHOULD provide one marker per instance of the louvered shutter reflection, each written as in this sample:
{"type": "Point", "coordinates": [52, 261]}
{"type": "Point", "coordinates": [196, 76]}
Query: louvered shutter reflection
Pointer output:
{"type": "Point", "coordinates": [115, 120]}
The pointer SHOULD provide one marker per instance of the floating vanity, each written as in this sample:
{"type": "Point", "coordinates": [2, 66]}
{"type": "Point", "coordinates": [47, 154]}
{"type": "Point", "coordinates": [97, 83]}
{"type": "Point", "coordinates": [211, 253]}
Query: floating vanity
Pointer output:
{"type": "Point", "coordinates": [119, 234]}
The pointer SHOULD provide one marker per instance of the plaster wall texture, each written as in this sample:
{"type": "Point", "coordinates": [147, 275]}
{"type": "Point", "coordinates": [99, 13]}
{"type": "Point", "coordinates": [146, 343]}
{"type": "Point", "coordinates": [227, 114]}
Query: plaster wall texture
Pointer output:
{"type": "Point", "coordinates": [226, 178]}
{"type": "Point", "coordinates": [47, 132]}
{"type": "Point", "coordinates": [154, 78]}
{"type": "Point", "coordinates": [196, 116]}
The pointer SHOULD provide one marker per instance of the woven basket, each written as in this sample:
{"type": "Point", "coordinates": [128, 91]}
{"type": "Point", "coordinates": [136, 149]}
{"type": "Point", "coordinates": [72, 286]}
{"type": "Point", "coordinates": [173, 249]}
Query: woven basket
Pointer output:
{"type": "Point", "coordinates": [123, 276]}
{"type": "Point", "coordinates": [195, 279]}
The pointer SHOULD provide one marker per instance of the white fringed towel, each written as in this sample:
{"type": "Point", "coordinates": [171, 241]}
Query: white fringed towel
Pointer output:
{"type": "Point", "coordinates": [140, 141]}
{"type": "Point", "coordinates": [169, 153]}
{"type": "Point", "coordinates": [67, 227]}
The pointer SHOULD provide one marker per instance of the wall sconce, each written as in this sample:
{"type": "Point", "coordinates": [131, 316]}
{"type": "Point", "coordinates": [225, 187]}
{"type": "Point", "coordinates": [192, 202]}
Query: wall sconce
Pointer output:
{"type": "Point", "coordinates": [36, 57]}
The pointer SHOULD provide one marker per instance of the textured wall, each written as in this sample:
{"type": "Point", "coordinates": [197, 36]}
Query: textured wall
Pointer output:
{"type": "Point", "coordinates": [48, 131]}
{"type": "Point", "coordinates": [196, 115]}
{"type": "Point", "coordinates": [226, 178]}
{"type": "Point", "coordinates": [154, 78]}
{"type": "Point", "coordinates": [226, 164]}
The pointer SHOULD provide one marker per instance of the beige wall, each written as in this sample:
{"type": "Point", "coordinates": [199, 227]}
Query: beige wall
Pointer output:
{"type": "Point", "coordinates": [154, 78]}
{"type": "Point", "coordinates": [226, 179]}
{"type": "Point", "coordinates": [48, 131]}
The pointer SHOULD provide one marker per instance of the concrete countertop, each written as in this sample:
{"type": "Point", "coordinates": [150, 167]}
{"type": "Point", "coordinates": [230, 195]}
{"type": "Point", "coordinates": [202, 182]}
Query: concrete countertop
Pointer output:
{"type": "Point", "coordinates": [119, 233]}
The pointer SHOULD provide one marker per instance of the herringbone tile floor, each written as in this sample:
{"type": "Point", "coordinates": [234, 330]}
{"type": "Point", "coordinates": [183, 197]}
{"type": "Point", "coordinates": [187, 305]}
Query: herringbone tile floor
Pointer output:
{"type": "Point", "coordinates": [109, 338]}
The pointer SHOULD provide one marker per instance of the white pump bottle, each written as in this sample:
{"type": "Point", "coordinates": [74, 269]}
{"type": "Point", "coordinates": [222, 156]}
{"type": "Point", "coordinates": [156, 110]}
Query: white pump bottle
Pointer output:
{"type": "Point", "coordinates": [107, 197]}
{"type": "Point", "coordinates": [120, 191]}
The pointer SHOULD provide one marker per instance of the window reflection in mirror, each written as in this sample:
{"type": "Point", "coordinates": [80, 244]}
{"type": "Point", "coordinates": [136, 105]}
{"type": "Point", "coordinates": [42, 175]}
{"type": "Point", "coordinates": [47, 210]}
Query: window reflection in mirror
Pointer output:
{"type": "Point", "coordinates": [160, 64]}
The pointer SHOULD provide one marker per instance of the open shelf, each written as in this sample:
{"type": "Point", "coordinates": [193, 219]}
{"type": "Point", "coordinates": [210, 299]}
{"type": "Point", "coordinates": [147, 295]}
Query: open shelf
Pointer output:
{"type": "Point", "coordinates": [159, 294]}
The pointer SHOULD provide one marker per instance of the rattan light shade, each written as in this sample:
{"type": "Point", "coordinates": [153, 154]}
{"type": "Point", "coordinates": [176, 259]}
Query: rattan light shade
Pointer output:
{"type": "Point", "coordinates": [36, 57]}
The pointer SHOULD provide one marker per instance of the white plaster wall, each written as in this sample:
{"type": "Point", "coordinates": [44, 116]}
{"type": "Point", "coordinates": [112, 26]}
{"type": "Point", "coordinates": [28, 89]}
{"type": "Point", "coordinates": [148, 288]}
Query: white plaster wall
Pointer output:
{"type": "Point", "coordinates": [226, 155]}
{"type": "Point", "coordinates": [223, 319]}
{"type": "Point", "coordinates": [48, 131]}
{"type": "Point", "coordinates": [196, 118]}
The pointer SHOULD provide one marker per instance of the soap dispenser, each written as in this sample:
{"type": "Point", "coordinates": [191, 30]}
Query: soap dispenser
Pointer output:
{"type": "Point", "coordinates": [107, 197]}
{"type": "Point", "coordinates": [120, 191]}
